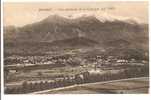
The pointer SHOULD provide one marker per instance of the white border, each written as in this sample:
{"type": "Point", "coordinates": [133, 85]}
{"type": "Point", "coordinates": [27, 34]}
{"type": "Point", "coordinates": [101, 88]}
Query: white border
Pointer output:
{"type": "Point", "coordinates": [149, 47]}
{"type": "Point", "coordinates": [68, 96]}
{"type": "Point", "coordinates": [1, 49]}
{"type": "Point", "coordinates": [65, 0]}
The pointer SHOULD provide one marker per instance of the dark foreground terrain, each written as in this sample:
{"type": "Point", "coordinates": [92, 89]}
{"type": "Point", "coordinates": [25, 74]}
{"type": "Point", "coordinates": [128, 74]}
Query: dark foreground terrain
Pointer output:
{"type": "Point", "coordinates": [131, 85]}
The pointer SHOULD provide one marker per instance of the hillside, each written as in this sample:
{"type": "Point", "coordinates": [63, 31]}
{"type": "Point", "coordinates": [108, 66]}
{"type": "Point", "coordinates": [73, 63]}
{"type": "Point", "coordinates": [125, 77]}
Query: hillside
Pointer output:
{"type": "Point", "coordinates": [83, 31]}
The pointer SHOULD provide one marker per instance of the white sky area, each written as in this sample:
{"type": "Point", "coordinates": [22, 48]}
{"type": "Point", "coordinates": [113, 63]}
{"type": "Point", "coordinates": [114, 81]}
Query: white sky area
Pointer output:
{"type": "Point", "coordinates": [20, 14]}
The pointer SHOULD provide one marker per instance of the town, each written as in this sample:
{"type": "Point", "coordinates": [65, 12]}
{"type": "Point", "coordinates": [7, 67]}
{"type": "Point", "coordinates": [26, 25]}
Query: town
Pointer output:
{"type": "Point", "coordinates": [25, 74]}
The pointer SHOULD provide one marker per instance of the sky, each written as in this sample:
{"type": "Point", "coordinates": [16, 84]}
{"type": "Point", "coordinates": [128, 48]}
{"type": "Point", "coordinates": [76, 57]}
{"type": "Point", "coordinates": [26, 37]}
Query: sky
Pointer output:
{"type": "Point", "coordinates": [20, 14]}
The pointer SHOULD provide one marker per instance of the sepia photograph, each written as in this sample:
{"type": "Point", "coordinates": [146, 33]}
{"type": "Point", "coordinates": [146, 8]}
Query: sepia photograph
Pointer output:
{"type": "Point", "coordinates": [76, 47]}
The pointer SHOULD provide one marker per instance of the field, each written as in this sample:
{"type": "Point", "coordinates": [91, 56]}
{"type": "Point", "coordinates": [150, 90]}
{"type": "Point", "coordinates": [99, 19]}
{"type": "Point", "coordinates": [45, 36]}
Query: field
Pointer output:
{"type": "Point", "coordinates": [130, 86]}
{"type": "Point", "coordinates": [62, 71]}
{"type": "Point", "coordinates": [33, 73]}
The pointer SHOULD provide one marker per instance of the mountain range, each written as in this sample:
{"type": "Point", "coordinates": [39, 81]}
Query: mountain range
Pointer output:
{"type": "Point", "coordinates": [83, 31]}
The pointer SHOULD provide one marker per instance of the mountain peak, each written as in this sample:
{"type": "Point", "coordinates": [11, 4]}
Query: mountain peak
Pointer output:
{"type": "Point", "coordinates": [84, 16]}
{"type": "Point", "coordinates": [55, 18]}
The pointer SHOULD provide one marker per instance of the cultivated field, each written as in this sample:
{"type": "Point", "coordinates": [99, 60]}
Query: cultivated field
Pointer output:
{"type": "Point", "coordinates": [131, 85]}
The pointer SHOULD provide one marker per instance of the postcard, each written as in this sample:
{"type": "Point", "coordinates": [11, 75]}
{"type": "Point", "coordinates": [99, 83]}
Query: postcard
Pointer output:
{"type": "Point", "coordinates": [76, 48]}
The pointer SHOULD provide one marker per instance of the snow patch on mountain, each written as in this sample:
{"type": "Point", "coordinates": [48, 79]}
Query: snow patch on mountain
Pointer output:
{"type": "Point", "coordinates": [104, 17]}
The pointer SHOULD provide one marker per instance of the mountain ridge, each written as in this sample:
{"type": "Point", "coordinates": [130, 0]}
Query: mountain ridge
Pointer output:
{"type": "Point", "coordinates": [54, 29]}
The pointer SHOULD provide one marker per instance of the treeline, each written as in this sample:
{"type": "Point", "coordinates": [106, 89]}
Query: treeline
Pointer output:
{"type": "Point", "coordinates": [81, 78]}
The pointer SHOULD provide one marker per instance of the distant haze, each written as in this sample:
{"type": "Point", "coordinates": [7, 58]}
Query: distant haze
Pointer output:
{"type": "Point", "coordinates": [20, 14]}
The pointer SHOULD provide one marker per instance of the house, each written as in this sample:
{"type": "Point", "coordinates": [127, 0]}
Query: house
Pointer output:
{"type": "Point", "coordinates": [122, 61]}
